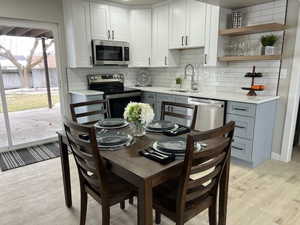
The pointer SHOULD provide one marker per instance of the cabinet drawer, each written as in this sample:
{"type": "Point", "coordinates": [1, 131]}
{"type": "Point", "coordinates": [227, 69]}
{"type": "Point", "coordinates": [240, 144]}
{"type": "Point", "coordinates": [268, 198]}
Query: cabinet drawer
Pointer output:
{"type": "Point", "coordinates": [244, 126]}
{"type": "Point", "coordinates": [242, 109]}
{"type": "Point", "coordinates": [181, 99]}
{"type": "Point", "coordinates": [149, 97]}
{"type": "Point", "coordinates": [241, 149]}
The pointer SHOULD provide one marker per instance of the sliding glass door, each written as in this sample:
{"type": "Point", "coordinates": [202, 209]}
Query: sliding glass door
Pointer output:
{"type": "Point", "coordinates": [5, 138]}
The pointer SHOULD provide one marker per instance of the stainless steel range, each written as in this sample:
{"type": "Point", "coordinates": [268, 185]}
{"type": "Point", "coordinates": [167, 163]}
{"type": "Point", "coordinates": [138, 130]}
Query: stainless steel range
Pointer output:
{"type": "Point", "coordinates": [112, 85]}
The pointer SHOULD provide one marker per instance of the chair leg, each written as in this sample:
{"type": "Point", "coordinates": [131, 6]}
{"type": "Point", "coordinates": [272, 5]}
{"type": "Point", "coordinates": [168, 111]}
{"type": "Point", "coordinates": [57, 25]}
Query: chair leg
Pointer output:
{"type": "Point", "coordinates": [122, 204]}
{"type": "Point", "coordinates": [83, 206]}
{"type": "Point", "coordinates": [212, 213]}
{"type": "Point", "coordinates": [105, 215]}
{"type": "Point", "coordinates": [157, 217]}
{"type": "Point", "coordinates": [131, 200]}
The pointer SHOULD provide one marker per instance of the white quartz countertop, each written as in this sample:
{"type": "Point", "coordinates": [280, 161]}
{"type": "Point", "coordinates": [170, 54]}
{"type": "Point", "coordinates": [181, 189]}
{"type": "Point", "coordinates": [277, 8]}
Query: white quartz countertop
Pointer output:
{"type": "Point", "coordinates": [227, 96]}
{"type": "Point", "coordinates": [86, 92]}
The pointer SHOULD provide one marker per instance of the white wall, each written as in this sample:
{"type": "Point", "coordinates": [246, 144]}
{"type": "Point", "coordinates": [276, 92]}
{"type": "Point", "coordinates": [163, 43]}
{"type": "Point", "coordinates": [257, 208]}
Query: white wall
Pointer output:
{"type": "Point", "coordinates": [40, 10]}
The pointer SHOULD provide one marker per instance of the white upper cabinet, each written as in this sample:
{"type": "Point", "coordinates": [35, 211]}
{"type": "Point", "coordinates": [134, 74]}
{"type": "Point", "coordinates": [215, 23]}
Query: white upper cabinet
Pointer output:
{"type": "Point", "coordinates": [196, 17]}
{"type": "Point", "coordinates": [177, 23]}
{"type": "Point", "coordinates": [187, 24]}
{"type": "Point", "coordinates": [78, 35]}
{"type": "Point", "coordinates": [160, 36]}
{"type": "Point", "coordinates": [109, 22]}
{"type": "Point", "coordinates": [100, 21]}
{"type": "Point", "coordinates": [140, 37]}
{"type": "Point", "coordinates": [119, 23]}
{"type": "Point", "coordinates": [211, 35]}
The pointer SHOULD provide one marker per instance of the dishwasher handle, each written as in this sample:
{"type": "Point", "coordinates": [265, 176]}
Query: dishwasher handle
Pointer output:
{"type": "Point", "coordinates": [205, 102]}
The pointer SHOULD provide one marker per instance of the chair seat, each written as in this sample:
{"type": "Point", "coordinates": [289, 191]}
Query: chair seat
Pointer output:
{"type": "Point", "coordinates": [118, 188]}
{"type": "Point", "coordinates": [165, 197]}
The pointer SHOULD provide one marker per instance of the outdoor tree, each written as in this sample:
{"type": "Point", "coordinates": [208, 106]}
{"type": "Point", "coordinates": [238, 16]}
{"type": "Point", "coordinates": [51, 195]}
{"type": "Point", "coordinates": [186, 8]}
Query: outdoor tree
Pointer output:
{"type": "Point", "coordinates": [25, 70]}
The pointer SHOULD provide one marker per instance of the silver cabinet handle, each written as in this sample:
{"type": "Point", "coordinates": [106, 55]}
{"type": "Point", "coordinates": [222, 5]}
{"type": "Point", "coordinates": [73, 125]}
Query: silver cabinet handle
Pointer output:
{"type": "Point", "coordinates": [113, 35]}
{"type": "Point", "coordinates": [237, 126]}
{"type": "Point", "coordinates": [166, 60]}
{"type": "Point", "coordinates": [205, 58]}
{"type": "Point", "coordinates": [149, 60]}
{"type": "Point", "coordinates": [108, 33]}
{"type": "Point", "coordinates": [239, 109]}
{"type": "Point", "coordinates": [237, 148]}
{"type": "Point", "coordinates": [186, 40]}
{"type": "Point", "coordinates": [182, 40]}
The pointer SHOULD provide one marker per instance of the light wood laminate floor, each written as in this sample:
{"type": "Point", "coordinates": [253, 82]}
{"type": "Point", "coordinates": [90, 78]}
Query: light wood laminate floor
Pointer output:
{"type": "Point", "coordinates": [33, 195]}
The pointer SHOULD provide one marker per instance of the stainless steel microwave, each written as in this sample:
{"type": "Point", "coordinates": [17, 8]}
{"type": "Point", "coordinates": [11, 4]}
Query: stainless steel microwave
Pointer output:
{"type": "Point", "coordinates": [110, 52]}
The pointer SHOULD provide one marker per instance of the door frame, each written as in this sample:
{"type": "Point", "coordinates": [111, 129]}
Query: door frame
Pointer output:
{"type": "Point", "coordinates": [58, 38]}
{"type": "Point", "coordinates": [292, 103]}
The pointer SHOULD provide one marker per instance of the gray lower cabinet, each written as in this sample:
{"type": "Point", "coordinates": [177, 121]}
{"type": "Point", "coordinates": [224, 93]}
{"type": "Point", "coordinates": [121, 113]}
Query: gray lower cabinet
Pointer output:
{"type": "Point", "coordinates": [156, 99]}
{"type": "Point", "coordinates": [253, 132]}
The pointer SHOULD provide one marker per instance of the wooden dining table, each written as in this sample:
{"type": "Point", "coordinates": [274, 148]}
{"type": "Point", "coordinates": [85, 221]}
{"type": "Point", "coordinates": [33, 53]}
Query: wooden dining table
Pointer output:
{"type": "Point", "coordinates": [143, 173]}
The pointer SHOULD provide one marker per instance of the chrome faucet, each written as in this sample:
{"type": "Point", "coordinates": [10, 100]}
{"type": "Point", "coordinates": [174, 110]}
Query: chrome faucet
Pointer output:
{"type": "Point", "coordinates": [194, 84]}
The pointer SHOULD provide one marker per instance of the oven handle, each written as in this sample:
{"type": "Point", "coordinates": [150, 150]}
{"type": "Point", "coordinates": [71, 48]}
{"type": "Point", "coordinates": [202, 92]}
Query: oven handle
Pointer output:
{"type": "Point", "coordinates": [123, 95]}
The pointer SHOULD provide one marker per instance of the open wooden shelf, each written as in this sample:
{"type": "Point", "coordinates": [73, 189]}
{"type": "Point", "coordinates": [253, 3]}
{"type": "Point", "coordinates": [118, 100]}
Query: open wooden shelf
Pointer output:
{"type": "Point", "coordinates": [253, 29]}
{"type": "Point", "coordinates": [249, 58]}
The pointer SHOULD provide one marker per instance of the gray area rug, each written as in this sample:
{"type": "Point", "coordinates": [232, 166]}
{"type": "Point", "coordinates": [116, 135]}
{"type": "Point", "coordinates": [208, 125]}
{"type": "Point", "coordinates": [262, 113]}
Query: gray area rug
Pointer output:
{"type": "Point", "coordinates": [18, 158]}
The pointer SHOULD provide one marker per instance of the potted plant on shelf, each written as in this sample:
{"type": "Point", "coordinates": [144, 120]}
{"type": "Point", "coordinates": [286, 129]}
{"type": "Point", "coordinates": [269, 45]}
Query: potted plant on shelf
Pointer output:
{"type": "Point", "coordinates": [139, 115]}
{"type": "Point", "coordinates": [268, 42]}
{"type": "Point", "coordinates": [179, 82]}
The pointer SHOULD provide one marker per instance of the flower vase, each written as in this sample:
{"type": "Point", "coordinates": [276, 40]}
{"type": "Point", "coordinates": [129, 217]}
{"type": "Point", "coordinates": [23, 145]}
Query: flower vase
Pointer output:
{"type": "Point", "coordinates": [138, 129]}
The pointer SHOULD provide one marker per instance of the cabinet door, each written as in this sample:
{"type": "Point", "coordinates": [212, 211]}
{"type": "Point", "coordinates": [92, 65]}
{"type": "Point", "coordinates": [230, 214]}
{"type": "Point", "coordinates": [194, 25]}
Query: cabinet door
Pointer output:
{"type": "Point", "coordinates": [177, 23]}
{"type": "Point", "coordinates": [119, 23]}
{"type": "Point", "coordinates": [211, 35]}
{"type": "Point", "coordinates": [100, 21]}
{"type": "Point", "coordinates": [160, 36]}
{"type": "Point", "coordinates": [195, 31]}
{"type": "Point", "coordinates": [79, 46]}
{"type": "Point", "coordinates": [140, 37]}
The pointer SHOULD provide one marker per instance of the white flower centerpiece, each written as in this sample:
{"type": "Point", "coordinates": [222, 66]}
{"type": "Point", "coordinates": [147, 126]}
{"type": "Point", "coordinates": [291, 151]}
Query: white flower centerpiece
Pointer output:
{"type": "Point", "coordinates": [139, 115]}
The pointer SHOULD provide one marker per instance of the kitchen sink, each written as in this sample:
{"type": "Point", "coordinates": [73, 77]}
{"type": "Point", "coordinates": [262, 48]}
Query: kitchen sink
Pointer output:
{"type": "Point", "coordinates": [180, 90]}
{"type": "Point", "coordinates": [184, 90]}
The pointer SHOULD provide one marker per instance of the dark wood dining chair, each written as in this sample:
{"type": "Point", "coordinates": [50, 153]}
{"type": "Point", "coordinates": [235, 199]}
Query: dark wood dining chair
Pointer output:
{"type": "Point", "coordinates": [95, 109]}
{"type": "Point", "coordinates": [167, 109]}
{"type": "Point", "coordinates": [197, 187]}
{"type": "Point", "coordinates": [95, 179]}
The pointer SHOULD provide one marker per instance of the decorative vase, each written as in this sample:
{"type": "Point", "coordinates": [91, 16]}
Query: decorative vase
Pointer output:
{"type": "Point", "coordinates": [138, 129]}
{"type": "Point", "coordinates": [269, 50]}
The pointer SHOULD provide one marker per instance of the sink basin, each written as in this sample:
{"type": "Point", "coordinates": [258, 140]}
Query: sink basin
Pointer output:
{"type": "Point", "coordinates": [179, 90]}
{"type": "Point", "coordinates": [184, 90]}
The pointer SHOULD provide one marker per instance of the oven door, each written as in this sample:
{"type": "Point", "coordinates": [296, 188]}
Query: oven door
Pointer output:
{"type": "Point", "coordinates": [118, 102]}
{"type": "Point", "coordinates": [109, 52]}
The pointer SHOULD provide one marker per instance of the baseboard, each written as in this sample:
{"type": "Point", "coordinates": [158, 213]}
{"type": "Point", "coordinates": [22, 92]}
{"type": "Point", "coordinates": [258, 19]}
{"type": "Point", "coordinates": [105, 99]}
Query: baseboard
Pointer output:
{"type": "Point", "coordinates": [275, 156]}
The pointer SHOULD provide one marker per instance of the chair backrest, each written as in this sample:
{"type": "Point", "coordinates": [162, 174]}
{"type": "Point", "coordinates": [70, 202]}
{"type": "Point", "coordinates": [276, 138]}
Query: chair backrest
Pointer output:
{"type": "Point", "coordinates": [90, 109]}
{"type": "Point", "coordinates": [167, 109]}
{"type": "Point", "coordinates": [91, 167]}
{"type": "Point", "coordinates": [202, 170]}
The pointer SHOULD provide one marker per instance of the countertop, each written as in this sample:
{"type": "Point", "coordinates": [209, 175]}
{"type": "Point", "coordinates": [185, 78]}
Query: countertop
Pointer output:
{"type": "Point", "coordinates": [86, 92]}
{"type": "Point", "coordinates": [227, 96]}
{"type": "Point", "coordinates": [213, 95]}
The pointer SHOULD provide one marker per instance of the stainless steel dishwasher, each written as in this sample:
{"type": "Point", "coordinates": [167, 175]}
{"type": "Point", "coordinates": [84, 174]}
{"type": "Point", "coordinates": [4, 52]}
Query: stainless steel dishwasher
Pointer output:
{"type": "Point", "coordinates": [210, 113]}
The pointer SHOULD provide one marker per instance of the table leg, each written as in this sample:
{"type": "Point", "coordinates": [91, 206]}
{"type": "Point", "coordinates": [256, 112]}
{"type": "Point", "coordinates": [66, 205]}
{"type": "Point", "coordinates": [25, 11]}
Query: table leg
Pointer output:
{"type": "Point", "coordinates": [145, 204]}
{"type": "Point", "coordinates": [224, 195]}
{"type": "Point", "coordinates": [65, 166]}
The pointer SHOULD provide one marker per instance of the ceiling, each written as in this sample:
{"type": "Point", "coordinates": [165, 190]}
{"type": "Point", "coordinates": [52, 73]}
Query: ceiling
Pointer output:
{"type": "Point", "coordinates": [25, 32]}
{"type": "Point", "coordinates": [241, 3]}
{"type": "Point", "coordinates": [223, 3]}
{"type": "Point", "coordinates": [137, 2]}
